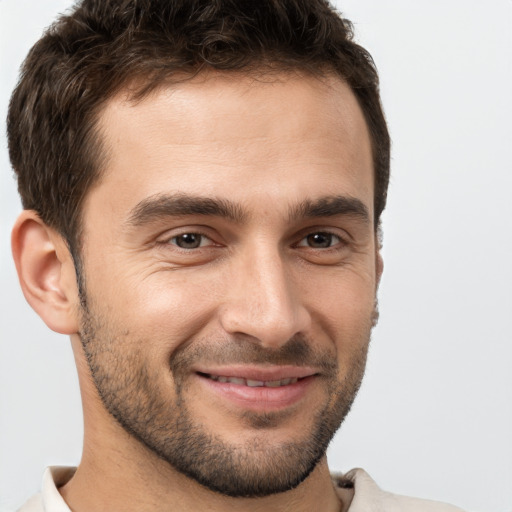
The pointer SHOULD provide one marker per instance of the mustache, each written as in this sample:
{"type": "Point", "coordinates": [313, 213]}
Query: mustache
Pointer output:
{"type": "Point", "coordinates": [297, 351]}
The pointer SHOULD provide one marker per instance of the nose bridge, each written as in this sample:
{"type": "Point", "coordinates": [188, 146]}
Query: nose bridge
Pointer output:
{"type": "Point", "coordinates": [263, 300]}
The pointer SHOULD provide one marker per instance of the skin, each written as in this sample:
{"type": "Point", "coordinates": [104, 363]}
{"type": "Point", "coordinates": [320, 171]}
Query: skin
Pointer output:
{"type": "Point", "coordinates": [258, 280]}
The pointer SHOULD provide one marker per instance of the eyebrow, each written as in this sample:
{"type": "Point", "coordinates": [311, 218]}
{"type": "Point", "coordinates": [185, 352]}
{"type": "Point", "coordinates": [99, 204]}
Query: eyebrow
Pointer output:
{"type": "Point", "coordinates": [331, 206]}
{"type": "Point", "coordinates": [178, 205]}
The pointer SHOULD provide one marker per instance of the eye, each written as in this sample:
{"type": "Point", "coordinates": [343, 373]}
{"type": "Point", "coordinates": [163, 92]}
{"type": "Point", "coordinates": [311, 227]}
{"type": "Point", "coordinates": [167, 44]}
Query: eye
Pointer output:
{"type": "Point", "coordinates": [320, 240]}
{"type": "Point", "coordinates": [190, 241]}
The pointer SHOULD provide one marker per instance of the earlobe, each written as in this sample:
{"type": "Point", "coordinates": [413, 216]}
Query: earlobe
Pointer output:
{"type": "Point", "coordinates": [46, 272]}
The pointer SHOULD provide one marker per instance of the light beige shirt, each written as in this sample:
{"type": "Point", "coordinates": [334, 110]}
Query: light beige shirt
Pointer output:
{"type": "Point", "coordinates": [365, 496]}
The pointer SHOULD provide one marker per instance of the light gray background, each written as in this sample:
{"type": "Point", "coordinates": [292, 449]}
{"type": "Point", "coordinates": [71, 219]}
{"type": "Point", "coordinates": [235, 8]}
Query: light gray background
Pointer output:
{"type": "Point", "coordinates": [434, 416]}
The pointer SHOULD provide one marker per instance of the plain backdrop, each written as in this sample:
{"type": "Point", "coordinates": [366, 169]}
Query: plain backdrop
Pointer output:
{"type": "Point", "coordinates": [434, 415]}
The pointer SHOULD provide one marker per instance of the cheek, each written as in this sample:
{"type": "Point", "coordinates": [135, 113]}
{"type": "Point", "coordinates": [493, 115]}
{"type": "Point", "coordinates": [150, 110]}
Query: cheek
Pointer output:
{"type": "Point", "coordinates": [165, 309]}
{"type": "Point", "coordinates": [342, 305]}
{"type": "Point", "coordinates": [345, 291]}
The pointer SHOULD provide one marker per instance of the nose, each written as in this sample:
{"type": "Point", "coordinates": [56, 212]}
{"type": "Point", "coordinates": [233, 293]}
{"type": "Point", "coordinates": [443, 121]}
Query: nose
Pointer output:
{"type": "Point", "coordinates": [263, 300]}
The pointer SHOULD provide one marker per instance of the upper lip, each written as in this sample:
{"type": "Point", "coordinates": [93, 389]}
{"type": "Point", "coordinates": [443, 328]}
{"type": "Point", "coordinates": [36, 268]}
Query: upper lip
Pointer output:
{"type": "Point", "coordinates": [259, 373]}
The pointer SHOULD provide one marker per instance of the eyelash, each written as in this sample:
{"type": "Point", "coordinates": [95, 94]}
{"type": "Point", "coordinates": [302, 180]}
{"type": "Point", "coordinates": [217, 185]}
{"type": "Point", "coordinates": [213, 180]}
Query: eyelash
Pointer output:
{"type": "Point", "coordinates": [324, 233]}
{"type": "Point", "coordinates": [167, 239]}
{"type": "Point", "coordinates": [192, 233]}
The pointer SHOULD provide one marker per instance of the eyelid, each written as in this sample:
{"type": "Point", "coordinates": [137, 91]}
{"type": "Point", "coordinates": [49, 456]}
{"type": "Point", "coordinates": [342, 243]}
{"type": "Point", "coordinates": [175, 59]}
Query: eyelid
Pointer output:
{"type": "Point", "coordinates": [343, 237]}
{"type": "Point", "coordinates": [166, 237]}
{"type": "Point", "coordinates": [333, 235]}
{"type": "Point", "coordinates": [203, 241]}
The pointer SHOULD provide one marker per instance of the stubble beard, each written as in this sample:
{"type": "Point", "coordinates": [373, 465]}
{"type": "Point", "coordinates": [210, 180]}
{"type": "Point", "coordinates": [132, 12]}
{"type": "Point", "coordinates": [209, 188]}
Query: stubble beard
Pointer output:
{"type": "Point", "coordinates": [136, 398]}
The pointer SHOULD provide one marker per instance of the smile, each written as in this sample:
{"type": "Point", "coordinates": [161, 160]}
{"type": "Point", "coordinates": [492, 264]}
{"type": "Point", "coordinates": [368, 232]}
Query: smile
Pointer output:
{"type": "Point", "coordinates": [258, 389]}
{"type": "Point", "coordinates": [252, 383]}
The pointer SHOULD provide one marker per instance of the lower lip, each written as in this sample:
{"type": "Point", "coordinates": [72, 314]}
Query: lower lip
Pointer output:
{"type": "Point", "coordinates": [260, 398]}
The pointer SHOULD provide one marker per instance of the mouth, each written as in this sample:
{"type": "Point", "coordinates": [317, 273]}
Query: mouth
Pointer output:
{"type": "Point", "coordinates": [258, 389]}
{"type": "Point", "coordinates": [240, 381]}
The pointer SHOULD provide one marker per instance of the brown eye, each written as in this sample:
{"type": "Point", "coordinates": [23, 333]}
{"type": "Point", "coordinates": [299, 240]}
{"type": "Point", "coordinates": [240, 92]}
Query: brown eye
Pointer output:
{"type": "Point", "coordinates": [320, 240]}
{"type": "Point", "coordinates": [189, 240]}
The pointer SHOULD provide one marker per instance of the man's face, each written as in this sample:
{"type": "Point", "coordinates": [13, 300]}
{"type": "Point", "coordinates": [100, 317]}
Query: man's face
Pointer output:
{"type": "Point", "coordinates": [230, 274]}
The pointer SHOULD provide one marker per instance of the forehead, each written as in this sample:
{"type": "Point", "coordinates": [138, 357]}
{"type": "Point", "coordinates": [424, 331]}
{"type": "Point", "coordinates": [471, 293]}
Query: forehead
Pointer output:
{"type": "Point", "coordinates": [285, 137]}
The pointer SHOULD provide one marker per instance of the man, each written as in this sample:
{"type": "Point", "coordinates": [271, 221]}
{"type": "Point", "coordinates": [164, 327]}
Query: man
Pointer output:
{"type": "Point", "coordinates": [203, 184]}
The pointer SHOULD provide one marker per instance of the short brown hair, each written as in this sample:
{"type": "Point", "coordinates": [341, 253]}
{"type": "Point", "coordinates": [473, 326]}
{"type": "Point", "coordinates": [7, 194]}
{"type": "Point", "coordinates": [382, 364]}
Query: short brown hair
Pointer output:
{"type": "Point", "coordinates": [92, 52]}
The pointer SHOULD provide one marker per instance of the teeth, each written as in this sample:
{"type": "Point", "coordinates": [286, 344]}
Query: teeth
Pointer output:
{"type": "Point", "coordinates": [274, 383]}
{"type": "Point", "coordinates": [254, 383]}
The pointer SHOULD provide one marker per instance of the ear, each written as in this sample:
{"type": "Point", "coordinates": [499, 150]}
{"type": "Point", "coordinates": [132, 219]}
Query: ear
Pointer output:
{"type": "Point", "coordinates": [379, 266]}
{"type": "Point", "coordinates": [46, 272]}
{"type": "Point", "coordinates": [379, 262]}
